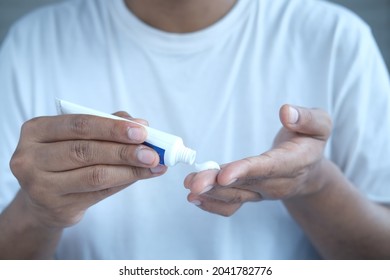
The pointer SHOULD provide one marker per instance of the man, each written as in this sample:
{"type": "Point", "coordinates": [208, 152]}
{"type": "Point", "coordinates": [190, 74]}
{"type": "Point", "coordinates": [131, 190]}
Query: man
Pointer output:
{"type": "Point", "coordinates": [215, 73]}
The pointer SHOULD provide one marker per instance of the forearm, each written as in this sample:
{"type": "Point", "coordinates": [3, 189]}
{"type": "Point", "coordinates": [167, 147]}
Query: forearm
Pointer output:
{"type": "Point", "coordinates": [341, 223]}
{"type": "Point", "coordinates": [23, 237]}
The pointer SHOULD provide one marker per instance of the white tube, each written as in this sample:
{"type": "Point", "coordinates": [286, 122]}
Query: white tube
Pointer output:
{"type": "Point", "coordinates": [169, 147]}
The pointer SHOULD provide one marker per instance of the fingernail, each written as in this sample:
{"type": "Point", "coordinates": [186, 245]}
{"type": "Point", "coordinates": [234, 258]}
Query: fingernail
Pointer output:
{"type": "Point", "coordinates": [206, 189]}
{"type": "Point", "coordinates": [158, 169]}
{"type": "Point", "coordinates": [232, 181]}
{"type": "Point", "coordinates": [196, 202]}
{"type": "Point", "coordinates": [293, 115]}
{"type": "Point", "coordinates": [146, 156]}
{"type": "Point", "coordinates": [136, 134]}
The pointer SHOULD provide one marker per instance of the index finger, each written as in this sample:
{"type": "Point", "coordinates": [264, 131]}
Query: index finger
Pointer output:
{"type": "Point", "coordinates": [85, 127]}
{"type": "Point", "coordinates": [275, 163]}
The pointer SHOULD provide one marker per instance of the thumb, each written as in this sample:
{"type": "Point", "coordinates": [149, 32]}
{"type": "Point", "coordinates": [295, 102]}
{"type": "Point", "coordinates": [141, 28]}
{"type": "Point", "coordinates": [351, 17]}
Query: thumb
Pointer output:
{"type": "Point", "coordinates": [126, 115]}
{"type": "Point", "coordinates": [313, 122]}
{"type": "Point", "coordinates": [123, 114]}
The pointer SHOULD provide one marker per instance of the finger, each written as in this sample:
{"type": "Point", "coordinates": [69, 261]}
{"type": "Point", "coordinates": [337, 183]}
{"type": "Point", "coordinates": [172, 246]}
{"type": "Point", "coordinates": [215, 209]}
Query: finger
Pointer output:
{"type": "Point", "coordinates": [312, 122]}
{"type": "Point", "coordinates": [188, 179]}
{"type": "Point", "coordinates": [73, 127]}
{"type": "Point", "coordinates": [202, 181]}
{"type": "Point", "coordinates": [125, 115]}
{"type": "Point", "coordinates": [273, 164]}
{"type": "Point", "coordinates": [87, 199]}
{"type": "Point", "coordinates": [232, 195]}
{"type": "Point", "coordinates": [215, 206]}
{"type": "Point", "coordinates": [67, 155]}
{"type": "Point", "coordinates": [96, 178]}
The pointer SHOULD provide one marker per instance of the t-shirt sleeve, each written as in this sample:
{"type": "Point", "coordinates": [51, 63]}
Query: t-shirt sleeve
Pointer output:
{"type": "Point", "coordinates": [360, 142]}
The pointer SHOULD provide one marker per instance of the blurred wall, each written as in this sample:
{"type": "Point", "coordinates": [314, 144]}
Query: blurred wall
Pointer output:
{"type": "Point", "coordinates": [11, 10]}
{"type": "Point", "coordinates": [375, 12]}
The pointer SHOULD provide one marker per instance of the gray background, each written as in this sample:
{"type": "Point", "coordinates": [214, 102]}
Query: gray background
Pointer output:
{"type": "Point", "coordinates": [375, 12]}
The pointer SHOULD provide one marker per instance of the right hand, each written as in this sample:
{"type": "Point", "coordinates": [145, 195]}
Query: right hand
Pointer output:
{"type": "Point", "coordinates": [65, 164]}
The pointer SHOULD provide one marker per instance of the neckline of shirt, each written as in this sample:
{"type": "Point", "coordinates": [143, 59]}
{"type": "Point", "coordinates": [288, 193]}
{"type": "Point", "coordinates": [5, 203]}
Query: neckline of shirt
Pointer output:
{"type": "Point", "coordinates": [157, 39]}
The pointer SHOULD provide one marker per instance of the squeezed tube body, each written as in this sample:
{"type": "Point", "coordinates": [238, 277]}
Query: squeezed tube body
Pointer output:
{"type": "Point", "coordinates": [169, 147]}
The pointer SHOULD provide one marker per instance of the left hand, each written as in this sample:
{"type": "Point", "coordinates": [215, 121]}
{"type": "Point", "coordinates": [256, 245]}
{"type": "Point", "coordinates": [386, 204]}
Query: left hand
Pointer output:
{"type": "Point", "coordinates": [291, 168]}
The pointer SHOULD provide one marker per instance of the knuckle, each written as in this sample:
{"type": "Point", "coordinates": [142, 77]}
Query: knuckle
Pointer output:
{"type": "Point", "coordinates": [22, 168]}
{"type": "Point", "coordinates": [116, 130]}
{"type": "Point", "coordinates": [306, 117]}
{"type": "Point", "coordinates": [137, 173]}
{"type": "Point", "coordinates": [80, 125]}
{"type": "Point", "coordinates": [124, 153]}
{"type": "Point", "coordinates": [26, 127]}
{"type": "Point", "coordinates": [97, 176]}
{"type": "Point", "coordinates": [319, 121]}
{"type": "Point", "coordinates": [17, 163]}
{"type": "Point", "coordinates": [30, 129]}
{"type": "Point", "coordinates": [30, 125]}
{"type": "Point", "coordinates": [82, 152]}
{"type": "Point", "coordinates": [251, 166]}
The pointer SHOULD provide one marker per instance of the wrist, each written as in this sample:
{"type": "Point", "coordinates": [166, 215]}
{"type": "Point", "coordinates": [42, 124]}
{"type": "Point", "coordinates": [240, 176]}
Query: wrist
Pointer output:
{"type": "Point", "coordinates": [23, 235]}
{"type": "Point", "coordinates": [33, 217]}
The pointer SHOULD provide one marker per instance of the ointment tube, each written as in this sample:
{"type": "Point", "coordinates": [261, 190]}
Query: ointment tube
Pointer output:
{"type": "Point", "coordinates": [170, 148]}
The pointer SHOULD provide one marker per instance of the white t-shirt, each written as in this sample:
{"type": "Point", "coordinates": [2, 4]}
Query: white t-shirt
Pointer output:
{"type": "Point", "coordinates": [220, 89]}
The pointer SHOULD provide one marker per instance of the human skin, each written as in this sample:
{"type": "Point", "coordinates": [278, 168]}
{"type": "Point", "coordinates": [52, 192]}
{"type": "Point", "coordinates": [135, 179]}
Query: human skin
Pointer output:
{"type": "Point", "coordinates": [339, 221]}
{"type": "Point", "coordinates": [180, 16]}
{"type": "Point", "coordinates": [57, 188]}
{"type": "Point", "coordinates": [65, 164]}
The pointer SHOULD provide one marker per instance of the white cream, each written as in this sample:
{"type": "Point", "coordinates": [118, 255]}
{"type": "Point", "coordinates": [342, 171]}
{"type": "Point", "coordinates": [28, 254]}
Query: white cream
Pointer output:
{"type": "Point", "coordinates": [207, 166]}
